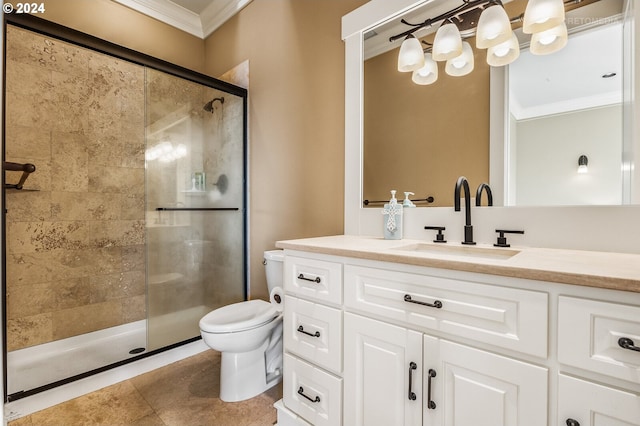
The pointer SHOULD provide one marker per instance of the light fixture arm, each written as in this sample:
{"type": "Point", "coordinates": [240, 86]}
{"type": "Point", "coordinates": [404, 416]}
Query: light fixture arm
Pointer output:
{"type": "Point", "coordinates": [465, 6]}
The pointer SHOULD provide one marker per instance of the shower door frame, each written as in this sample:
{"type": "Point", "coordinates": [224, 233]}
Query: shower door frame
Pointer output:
{"type": "Point", "coordinates": [60, 32]}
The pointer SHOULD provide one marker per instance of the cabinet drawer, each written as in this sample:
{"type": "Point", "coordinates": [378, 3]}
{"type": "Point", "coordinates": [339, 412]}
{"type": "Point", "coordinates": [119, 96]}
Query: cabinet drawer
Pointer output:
{"type": "Point", "coordinates": [589, 332]}
{"type": "Point", "coordinates": [507, 317]}
{"type": "Point", "coordinates": [313, 394]}
{"type": "Point", "coordinates": [592, 404]}
{"type": "Point", "coordinates": [313, 332]}
{"type": "Point", "coordinates": [314, 279]}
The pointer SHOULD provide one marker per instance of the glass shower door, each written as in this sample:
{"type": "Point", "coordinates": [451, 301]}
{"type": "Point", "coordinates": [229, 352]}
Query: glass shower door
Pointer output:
{"type": "Point", "coordinates": [195, 175]}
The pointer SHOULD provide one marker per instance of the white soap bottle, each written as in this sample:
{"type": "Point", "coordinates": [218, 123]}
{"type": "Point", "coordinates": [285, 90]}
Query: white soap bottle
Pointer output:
{"type": "Point", "coordinates": [407, 202]}
{"type": "Point", "coordinates": [392, 213]}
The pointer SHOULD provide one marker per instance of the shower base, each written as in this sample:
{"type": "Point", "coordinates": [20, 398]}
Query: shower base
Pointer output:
{"type": "Point", "coordinates": [40, 365]}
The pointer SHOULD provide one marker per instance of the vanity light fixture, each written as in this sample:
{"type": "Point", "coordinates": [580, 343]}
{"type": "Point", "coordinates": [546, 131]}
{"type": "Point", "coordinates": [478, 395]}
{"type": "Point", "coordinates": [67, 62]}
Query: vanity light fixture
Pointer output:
{"type": "Point", "coordinates": [504, 53]}
{"type": "Point", "coordinates": [549, 41]}
{"type": "Point", "coordinates": [494, 27]}
{"type": "Point", "coordinates": [489, 22]}
{"type": "Point", "coordinates": [448, 43]}
{"type": "Point", "coordinates": [428, 73]}
{"type": "Point", "coordinates": [461, 64]}
{"type": "Point", "coordinates": [411, 55]}
{"type": "Point", "coordinates": [542, 15]}
{"type": "Point", "coordinates": [583, 161]}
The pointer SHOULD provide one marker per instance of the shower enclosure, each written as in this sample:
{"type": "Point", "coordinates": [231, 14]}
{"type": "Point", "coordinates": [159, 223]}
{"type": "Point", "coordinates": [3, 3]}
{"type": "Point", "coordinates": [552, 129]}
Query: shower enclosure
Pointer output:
{"type": "Point", "coordinates": [133, 224]}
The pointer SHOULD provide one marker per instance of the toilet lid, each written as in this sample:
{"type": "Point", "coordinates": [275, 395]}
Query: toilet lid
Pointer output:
{"type": "Point", "coordinates": [238, 317]}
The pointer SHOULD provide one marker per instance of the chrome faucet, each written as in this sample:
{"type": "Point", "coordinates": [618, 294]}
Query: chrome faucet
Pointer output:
{"type": "Point", "coordinates": [462, 183]}
{"type": "Point", "coordinates": [487, 188]}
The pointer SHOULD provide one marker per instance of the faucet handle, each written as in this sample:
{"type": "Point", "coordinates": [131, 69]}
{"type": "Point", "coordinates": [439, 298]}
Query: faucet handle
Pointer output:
{"type": "Point", "coordinates": [440, 236]}
{"type": "Point", "coordinates": [502, 240]}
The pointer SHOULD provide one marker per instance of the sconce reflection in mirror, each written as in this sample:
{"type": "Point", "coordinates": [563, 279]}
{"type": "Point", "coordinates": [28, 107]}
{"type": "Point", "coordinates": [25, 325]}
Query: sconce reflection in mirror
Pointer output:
{"type": "Point", "coordinates": [583, 161]}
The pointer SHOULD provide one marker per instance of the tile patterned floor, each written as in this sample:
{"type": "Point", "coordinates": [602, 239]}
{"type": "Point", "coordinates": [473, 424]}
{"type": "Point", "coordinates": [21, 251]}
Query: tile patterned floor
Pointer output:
{"type": "Point", "coordinates": [184, 393]}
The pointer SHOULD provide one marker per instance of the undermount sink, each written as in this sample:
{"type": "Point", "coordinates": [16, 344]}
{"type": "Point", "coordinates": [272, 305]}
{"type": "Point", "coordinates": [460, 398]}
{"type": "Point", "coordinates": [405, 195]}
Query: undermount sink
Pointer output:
{"type": "Point", "coordinates": [461, 251]}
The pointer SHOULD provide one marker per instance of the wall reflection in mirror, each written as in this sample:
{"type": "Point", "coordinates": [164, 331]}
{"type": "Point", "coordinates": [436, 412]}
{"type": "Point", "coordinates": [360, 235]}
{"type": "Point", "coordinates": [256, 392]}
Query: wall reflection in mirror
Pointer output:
{"type": "Point", "coordinates": [556, 108]}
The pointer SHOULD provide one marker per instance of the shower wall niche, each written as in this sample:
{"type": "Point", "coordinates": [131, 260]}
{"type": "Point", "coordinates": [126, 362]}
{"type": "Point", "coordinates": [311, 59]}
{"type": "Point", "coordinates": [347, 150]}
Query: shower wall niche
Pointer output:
{"type": "Point", "coordinates": [133, 225]}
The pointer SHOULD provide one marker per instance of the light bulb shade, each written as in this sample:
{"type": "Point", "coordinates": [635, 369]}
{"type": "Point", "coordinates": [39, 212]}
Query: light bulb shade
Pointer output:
{"type": "Point", "coordinates": [428, 73]}
{"type": "Point", "coordinates": [504, 53]}
{"type": "Point", "coordinates": [411, 56]}
{"type": "Point", "coordinates": [494, 27]}
{"type": "Point", "coordinates": [542, 15]}
{"type": "Point", "coordinates": [462, 64]}
{"type": "Point", "coordinates": [583, 162]}
{"type": "Point", "coordinates": [447, 44]}
{"type": "Point", "coordinates": [549, 41]}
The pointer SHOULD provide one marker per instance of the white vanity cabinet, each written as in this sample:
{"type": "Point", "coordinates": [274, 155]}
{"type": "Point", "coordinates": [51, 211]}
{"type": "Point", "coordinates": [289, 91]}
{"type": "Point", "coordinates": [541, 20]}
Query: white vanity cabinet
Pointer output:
{"type": "Point", "coordinates": [426, 380]}
{"type": "Point", "coordinates": [372, 342]}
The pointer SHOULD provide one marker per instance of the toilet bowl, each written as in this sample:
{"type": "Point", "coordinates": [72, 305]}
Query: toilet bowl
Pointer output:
{"type": "Point", "coordinates": [249, 337]}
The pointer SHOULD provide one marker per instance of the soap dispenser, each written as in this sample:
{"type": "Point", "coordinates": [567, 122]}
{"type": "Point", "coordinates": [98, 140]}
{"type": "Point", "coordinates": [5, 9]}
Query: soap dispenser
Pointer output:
{"type": "Point", "coordinates": [392, 213]}
{"type": "Point", "coordinates": [407, 202]}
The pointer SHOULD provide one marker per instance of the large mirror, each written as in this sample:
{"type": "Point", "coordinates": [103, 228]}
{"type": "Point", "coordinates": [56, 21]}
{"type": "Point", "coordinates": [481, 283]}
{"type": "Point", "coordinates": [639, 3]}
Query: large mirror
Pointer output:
{"type": "Point", "coordinates": [557, 108]}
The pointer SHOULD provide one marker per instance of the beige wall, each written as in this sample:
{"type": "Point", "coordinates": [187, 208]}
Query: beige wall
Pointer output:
{"type": "Point", "coordinates": [296, 117]}
{"type": "Point", "coordinates": [113, 22]}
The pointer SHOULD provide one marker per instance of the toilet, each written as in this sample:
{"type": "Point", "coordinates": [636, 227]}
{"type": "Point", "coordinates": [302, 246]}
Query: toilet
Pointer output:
{"type": "Point", "coordinates": [249, 336]}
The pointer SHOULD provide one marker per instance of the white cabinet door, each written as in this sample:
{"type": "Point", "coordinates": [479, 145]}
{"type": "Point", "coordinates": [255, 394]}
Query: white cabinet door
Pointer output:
{"type": "Point", "coordinates": [474, 387]}
{"type": "Point", "coordinates": [381, 361]}
{"type": "Point", "coordinates": [582, 403]}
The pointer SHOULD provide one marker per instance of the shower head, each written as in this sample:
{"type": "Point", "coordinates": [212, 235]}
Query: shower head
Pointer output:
{"type": "Point", "coordinates": [209, 105]}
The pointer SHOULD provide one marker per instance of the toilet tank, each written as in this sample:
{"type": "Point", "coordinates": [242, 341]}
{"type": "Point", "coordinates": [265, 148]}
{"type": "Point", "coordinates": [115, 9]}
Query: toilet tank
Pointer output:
{"type": "Point", "coordinates": [273, 265]}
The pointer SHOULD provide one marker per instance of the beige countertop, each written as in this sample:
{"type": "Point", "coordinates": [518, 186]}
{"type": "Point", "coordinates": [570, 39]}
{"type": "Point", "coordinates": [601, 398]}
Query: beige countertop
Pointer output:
{"type": "Point", "coordinates": [618, 271]}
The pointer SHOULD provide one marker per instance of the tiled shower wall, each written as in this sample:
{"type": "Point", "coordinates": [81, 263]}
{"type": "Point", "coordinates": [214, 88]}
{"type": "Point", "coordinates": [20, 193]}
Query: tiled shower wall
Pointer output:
{"type": "Point", "coordinates": [76, 233]}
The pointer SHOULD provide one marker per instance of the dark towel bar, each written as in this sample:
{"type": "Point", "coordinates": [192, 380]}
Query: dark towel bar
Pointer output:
{"type": "Point", "coordinates": [427, 200]}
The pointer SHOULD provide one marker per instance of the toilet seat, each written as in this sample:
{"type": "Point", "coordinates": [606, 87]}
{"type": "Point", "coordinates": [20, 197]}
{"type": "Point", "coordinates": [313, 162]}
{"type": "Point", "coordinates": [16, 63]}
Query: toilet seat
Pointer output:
{"type": "Point", "coordinates": [238, 317]}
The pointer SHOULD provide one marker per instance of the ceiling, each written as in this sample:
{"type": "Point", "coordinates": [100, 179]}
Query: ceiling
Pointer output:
{"type": "Point", "coordinates": [196, 17]}
{"type": "Point", "coordinates": [571, 80]}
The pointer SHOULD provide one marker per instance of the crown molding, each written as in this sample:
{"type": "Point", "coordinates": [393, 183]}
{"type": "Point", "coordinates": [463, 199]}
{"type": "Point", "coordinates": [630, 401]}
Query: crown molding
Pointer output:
{"type": "Point", "coordinates": [201, 26]}
{"type": "Point", "coordinates": [219, 12]}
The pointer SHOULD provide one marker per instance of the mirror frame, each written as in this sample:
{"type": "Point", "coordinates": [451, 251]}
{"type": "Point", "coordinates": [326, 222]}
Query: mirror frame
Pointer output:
{"type": "Point", "coordinates": [567, 230]}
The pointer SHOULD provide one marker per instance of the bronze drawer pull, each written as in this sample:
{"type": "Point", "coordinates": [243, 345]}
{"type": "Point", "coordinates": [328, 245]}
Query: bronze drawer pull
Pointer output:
{"type": "Point", "coordinates": [626, 343]}
{"type": "Point", "coordinates": [412, 394]}
{"type": "Point", "coordinates": [315, 280]}
{"type": "Point", "coordinates": [431, 405]}
{"type": "Point", "coordinates": [301, 330]}
{"type": "Point", "coordinates": [301, 392]}
{"type": "Point", "coordinates": [435, 304]}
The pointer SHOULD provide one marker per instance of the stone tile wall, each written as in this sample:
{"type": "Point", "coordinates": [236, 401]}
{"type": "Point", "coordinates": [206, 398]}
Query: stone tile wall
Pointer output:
{"type": "Point", "coordinates": [75, 245]}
